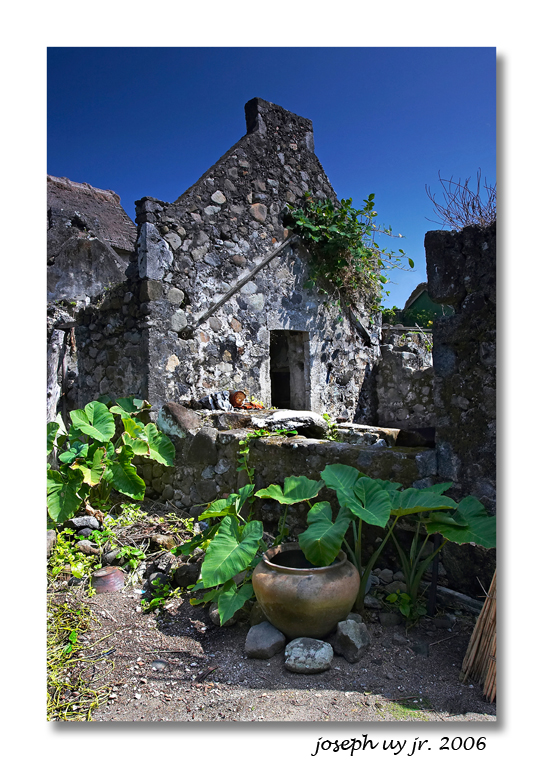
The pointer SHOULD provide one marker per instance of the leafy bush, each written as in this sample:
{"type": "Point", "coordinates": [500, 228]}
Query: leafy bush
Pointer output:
{"type": "Point", "coordinates": [341, 242]}
{"type": "Point", "coordinates": [92, 462]}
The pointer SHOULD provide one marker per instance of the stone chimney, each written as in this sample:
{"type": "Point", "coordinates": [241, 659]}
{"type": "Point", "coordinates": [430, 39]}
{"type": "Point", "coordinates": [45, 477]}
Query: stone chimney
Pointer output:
{"type": "Point", "coordinates": [267, 119]}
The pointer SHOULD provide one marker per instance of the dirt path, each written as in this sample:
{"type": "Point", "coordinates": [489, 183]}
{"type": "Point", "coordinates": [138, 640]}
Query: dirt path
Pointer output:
{"type": "Point", "coordinates": [203, 674]}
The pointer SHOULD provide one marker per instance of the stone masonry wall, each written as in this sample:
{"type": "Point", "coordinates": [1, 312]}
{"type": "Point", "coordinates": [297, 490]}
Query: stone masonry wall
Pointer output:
{"type": "Point", "coordinates": [192, 251]}
{"type": "Point", "coordinates": [461, 269]}
{"type": "Point", "coordinates": [405, 380]}
{"type": "Point", "coordinates": [462, 272]}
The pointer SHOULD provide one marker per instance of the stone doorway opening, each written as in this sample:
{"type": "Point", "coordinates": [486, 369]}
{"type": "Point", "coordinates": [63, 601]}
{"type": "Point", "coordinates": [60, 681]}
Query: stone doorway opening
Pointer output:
{"type": "Point", "coordinates": [289, 370]}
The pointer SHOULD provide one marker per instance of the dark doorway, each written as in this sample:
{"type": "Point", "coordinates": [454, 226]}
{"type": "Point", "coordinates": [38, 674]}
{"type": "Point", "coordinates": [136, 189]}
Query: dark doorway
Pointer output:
{"type": "Point", "coordinates": [289, 369]}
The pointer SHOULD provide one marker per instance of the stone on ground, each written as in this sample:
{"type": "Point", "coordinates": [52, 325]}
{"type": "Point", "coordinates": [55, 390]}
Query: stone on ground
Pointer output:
{"type": "Point", "coordinates": [351, 640]}
{"type": "Point", "coordinates": [308, 656]}
{"type": "Point", "coordinates": [264, 641]}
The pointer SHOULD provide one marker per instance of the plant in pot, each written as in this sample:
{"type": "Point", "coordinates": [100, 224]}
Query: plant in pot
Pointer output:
{"type": "Point", "coordinates": [383, 503]}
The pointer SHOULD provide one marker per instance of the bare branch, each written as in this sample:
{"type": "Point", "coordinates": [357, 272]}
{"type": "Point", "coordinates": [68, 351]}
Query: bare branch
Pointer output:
{"type": "Point", "coordinates": [462, 206]}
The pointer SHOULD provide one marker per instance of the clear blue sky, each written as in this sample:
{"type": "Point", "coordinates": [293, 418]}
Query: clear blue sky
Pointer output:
{"type": "Point", "coordinates": [151, 121]}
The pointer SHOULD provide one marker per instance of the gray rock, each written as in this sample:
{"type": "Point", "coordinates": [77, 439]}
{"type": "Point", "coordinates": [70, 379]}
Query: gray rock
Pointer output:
{"type": "Point", "coordinates": [394, 586]}
{"type": "Point", "coordinates": [351, 640]}
{"type": "Point", "coordinates": [386, 576]}
{"type": "Point", "coordinates": [387, 619]}
{"type": "Point", "coordinates": [400, 639]}
{"type": "Point", "coordinates": [203, 449]}
{"type": "Point", "coordinates": [87, 521]}
{"type": "Point", "coordinates": [308, 656]}
{"type": "Point", "coordinates": [355, 617]}
{"type": "Point", "coordinates": [87, 547]}
{"type": "Point", "coordinates": [51, 541]}
{"type": "Point", "coordinates": [86, 532]}
{"type": "Point", "coordinates": [112, 558]}
{"type": "Point", "coordinates": [187, 574]}
{"type": "Point", "coordinates": [372, 603]}
{"type": "Point", "coordinates": [304, 422]}
{"type": "Point", "coordinates": [263, 641]}
{"type": "Point", "coordinates": [421, 649]}
{"type": "Point", "coordinates": [160, 578]}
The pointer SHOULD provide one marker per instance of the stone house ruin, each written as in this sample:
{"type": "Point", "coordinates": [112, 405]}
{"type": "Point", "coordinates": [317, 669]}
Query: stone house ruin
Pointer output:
{"type": "Point", "coordinates": [206, 294]}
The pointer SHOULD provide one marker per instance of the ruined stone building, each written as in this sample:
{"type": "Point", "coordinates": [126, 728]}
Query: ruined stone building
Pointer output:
{"type": "Point", "coordinates": [207, 294]}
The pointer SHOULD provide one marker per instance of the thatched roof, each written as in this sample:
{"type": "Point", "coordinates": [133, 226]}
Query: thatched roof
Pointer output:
{"type": "Point", "coordinates": [98, 211]}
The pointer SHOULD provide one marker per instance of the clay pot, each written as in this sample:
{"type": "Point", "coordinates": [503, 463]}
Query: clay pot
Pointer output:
{"type": "Point", "coordinates": [108, 579]}
{"type": "Point", "coordinates": [300, 599]}
{"type": "Point", "coordinates": [237, 398]}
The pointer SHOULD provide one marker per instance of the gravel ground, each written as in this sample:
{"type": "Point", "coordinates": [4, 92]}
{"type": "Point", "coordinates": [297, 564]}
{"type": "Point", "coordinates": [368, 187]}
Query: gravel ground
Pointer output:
{"type": "Point", "coordinates": [178, 666]}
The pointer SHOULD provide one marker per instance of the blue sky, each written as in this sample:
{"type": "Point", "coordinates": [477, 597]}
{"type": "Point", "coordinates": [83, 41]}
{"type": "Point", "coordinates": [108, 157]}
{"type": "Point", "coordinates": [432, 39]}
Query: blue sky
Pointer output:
{"type": "Point", "coordinates": [151, 121]}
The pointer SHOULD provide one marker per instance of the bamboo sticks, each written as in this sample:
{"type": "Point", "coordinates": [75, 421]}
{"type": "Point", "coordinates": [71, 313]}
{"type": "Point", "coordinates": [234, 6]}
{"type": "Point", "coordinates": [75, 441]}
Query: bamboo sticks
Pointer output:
{"type": "Point", "coordinates": [480, 660]}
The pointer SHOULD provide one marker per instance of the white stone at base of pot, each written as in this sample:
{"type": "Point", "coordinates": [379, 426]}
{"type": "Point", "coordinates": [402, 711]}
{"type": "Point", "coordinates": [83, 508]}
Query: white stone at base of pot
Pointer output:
{"type": "Point", "coordinates": [308, 656]}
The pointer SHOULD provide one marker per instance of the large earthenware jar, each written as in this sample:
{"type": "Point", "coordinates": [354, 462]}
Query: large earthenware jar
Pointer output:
{"type": "Point", "coordinates": [301, 599]}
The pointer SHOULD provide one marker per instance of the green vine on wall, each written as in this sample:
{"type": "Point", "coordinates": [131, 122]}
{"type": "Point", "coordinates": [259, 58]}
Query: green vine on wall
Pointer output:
{"type": "Point", "coordinates": [343, 249]}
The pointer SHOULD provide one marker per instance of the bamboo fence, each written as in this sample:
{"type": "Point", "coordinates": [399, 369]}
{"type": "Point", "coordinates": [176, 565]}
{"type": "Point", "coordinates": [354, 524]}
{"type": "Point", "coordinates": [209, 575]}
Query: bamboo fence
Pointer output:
{"type": "Point", "coordinates": [480, 660]}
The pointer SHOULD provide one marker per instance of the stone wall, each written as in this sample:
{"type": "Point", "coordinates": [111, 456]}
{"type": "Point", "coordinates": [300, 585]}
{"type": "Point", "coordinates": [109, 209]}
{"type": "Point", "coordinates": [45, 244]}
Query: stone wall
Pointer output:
{"type": "Point", "coordinates": [405, 379]}
{"type": "Point", "coordinates": [462, 272]}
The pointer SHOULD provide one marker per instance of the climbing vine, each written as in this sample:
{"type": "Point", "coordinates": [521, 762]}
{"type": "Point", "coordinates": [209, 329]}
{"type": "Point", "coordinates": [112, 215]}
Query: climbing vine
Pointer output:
{"type": "Point", "coordinates": [344, 253]}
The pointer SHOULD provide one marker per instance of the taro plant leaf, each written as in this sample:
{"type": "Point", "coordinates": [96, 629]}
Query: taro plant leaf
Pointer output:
{"type": "Point", "coordinates": [242, 496]}
{"type": "Point", "coordinates": [123, 476]}
{"type": "Point", "coordinates": [95, 421]}
{"type": "Point", "coordinates": [480, 529]}
{"type": "Point", "coordinates": [437, 488]}
{"type": "Point", "coordinates": [296, 489]}
{"type": "Point", "coordinates": [413, 500]}
{"type": "Point", "coordinates": [231, 551]}
{"type": "Point", "coordinates": [93, 472]}
{"type": "Point", "coordinates": [340, 477]}
{"type": "Point", "coordinates": [367, 501]}
{"type": "Point", "coordinates": [219, 508]}
{"type": "Point", "coordinates": [62, 495]}
{"type": "Point", "coordinates": [161, 448]}
{"type": "Point", "coordinates": [52, 429]}
{"type": "Point", "coordinates": [77, 450]}
{"type": "Point", "coordinates": [232, 598]}
{"type": "Point", "coordinates": [210, 596]}
{"type": "Point", "coordinates": [200, 540]}
{"type": "Point", "coordinates": [127, 406]}
{"type": "Point", "coordinates": [322, 539]}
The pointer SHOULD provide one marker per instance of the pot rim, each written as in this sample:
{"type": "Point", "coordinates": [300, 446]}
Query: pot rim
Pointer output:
{"type": "Point", "coordinates": [289, 546]}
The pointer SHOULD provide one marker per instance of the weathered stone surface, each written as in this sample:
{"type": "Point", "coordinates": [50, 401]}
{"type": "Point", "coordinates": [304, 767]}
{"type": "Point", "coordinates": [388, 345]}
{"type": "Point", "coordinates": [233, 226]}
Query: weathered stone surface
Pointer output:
{"type": "Point", "coordinates": [263, 641]}
{"type": "Point", "coordinates": [85, 521]}
{"type": "Point", "coordinates": [203, 449]}
{"type": "Point", "coordinates": [351, 640]}
{"type": "Point", "coordinates": [154, 256]}
{"type": "Point", "coordinates": [308, 656]}
{"type": "Point", "coordinates": [51, 541]}
{"type": "Point", "coordinates": [389, 619]}
{"type": "Point", "coordinates": [176, 420]}
{"type": "Point", "coordinates": [304, 422]}
{"type": "Point", "coordinates": [87, 547]}
{"type": "Point", "coordinates": [187, 575]}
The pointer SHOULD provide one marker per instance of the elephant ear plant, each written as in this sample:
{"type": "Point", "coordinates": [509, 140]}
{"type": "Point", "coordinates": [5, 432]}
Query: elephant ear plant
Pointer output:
{"type": "Point", "coordinates": [234, 546]}
{"type": "Point", "coordinates": [382, 503]}
{"type": "Point", "coordinates": [95, 455]}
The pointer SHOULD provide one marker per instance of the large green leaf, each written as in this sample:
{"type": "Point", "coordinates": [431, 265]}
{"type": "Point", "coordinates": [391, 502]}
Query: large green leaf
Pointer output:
{"type": "Point", "coordinates": [128, 406]}
{"type": "Point", "coordinates": [340, 477]}
{"type": "Point", "coordinates": [77, 450]}
{"type": "Point", "coordinates": [52, 429]}
{"type": "Point", "coordinates": [95, 421]}
{"type": "Point", "coordinates": [123, 476]}
{"type": "Point", "coordinates": [135, 436]}
{"type": "Point", "coordinates": [232, 598]}
{"type": "Point", "coordinates": [200, 540]}
{"type": "Point", "coordinates": [322, 539]}
{"type": "Point", "coordinates": [296, 489]}
{"type": "Point", "coordinates": [62, 495]}
{"type": "Point", "coordinates": [161, 448]}
{"type": "Point", "coordinates": [231, 551]}
{"type": "Point", "coordinates": [480, 528]}
{"type": "Point", "coordinates": [93, 471]}
{"type": "Point", "coordinates": [367, 501]}
{"type": "Point", "coordinates": [413, 500]}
